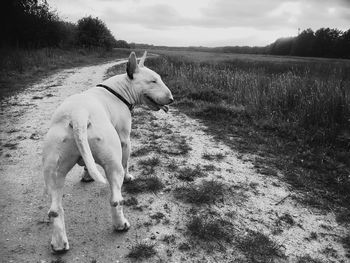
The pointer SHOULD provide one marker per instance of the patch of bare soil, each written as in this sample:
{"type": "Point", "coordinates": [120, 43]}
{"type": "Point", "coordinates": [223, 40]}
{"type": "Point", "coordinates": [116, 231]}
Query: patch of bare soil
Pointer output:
{"type": "Point", "coordinates": [193, 200]}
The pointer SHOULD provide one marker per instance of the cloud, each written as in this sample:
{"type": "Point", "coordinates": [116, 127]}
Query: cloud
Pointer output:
{"type": "Point", "coordinates": [197, 22]}
{"type": "Point", "coordinates": [153, 16]}
{"type": "Point", "coordinates": [225, 14]}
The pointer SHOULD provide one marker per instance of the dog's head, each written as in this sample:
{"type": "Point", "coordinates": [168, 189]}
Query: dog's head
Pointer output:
{"type": "Point", "coordinates": [148, 84]}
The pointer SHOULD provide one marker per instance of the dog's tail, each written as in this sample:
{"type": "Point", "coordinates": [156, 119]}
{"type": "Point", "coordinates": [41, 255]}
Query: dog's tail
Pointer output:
{"type": "Point", "coordinates": [80, 123]}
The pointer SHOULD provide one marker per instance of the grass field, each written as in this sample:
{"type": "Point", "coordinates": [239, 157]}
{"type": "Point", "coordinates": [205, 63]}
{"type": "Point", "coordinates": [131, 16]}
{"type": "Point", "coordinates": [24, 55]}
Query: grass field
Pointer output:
{"type": "Point", "coordinates": [293, 113]}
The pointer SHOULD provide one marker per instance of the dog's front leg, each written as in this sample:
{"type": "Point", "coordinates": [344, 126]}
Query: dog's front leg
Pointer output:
{"type": "Point", "coordinates": [126, 148]}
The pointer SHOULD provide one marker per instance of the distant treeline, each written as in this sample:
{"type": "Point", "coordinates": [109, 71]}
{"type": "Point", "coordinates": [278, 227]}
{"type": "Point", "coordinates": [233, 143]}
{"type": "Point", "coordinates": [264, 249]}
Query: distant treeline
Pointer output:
{"type": "Point", "coordinates": [325, 42]}
{"type": "Point", "coordinates": [32, 24]}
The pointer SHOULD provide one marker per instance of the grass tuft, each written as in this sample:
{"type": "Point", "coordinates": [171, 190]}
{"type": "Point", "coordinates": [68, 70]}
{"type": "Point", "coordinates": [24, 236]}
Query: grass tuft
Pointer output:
{"type": "Point", "coordinates": [131, 201]}
{"type": "Point", "coordinates": [308, 259]}
{"type": "Point", "coordinates": [206, 192]}
{"type": "Point", "coordinates": [157, 216]}
{"type": "Point", "coordinates": [259, 248]}
{"type": "Point", "coordinates": [346, 243]}
{"type": "Point", "coordinates": [149, 164]}
{"type": "Point", "coordinates": [210, 228]}
{"type": "Point", "coordinates": [343, 216]}
{"type": "Point", "coordinates": [211, 157]}
{"type": "Point", "coordinates": [141, 151]}
{"type": "Point", "coordinates": [144, 184]}
{"type": "Point", "coordinates": [190, 174]}
{"type": "Point", "coordinates": [179, 146]}
{"type": "Point", "coordinates": [152, 161]}
{"type": "Point", "coordinates": [142, 250]}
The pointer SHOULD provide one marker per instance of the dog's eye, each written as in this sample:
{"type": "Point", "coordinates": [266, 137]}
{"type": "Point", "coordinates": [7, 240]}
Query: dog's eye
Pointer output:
{"type": "Point", "coordinates": [154, 81]}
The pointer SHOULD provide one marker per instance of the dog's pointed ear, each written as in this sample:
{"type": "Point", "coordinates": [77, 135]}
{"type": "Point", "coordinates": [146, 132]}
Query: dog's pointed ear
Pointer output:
{"type": "Point", "coordinates": [142, 60]}
{"type": "Point", "coordinates": [131, 66]}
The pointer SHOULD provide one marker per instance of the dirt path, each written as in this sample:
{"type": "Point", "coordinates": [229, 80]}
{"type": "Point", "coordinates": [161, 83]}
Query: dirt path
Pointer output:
{"type": "Point", "coordinates": [256, 216]}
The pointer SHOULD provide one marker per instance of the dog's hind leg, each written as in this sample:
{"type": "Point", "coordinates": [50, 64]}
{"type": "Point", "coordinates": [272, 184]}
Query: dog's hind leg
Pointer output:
{"type": "Point", "coordinates": [55, 170]}
{"type": "Point", "coordinates": [115, 176]}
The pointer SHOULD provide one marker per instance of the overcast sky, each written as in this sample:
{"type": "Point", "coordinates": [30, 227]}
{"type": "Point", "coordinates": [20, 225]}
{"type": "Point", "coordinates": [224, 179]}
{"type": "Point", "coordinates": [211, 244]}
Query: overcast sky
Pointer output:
{"type": "Point", "coordinates": [208, 22]}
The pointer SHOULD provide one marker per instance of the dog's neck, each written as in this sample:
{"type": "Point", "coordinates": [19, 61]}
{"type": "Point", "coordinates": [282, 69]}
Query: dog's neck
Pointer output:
{"type": "Point", "coordinates": [122, 85]}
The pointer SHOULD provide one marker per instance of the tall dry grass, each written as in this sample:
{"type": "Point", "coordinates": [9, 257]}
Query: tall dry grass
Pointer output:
{"type": "Point", "coordinates": [312, 98]}
{"type": "Point", "coordinates": [19, 67]}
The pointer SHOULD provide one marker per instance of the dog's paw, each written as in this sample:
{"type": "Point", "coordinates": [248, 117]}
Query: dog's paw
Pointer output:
{"type": "Point", "coordinates": [59, 242]}
{"type": "Point", "coordinates": [124, 225]}
{"type": "Point", "coordinates": [128, 178]}
{"type": "Point", "coordinates": [60, 250]}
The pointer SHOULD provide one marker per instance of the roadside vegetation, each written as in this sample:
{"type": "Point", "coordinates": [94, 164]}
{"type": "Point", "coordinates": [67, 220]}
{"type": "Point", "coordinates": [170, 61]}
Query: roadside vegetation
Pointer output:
{"type": "Point", "coordinates": [207, 192]}
{"type": "Point", "coordinates": [36, 41]}
{"type": "Point", "coordinates": [293, 114]}
{"type": "Point", "coordinates": [142, 250]}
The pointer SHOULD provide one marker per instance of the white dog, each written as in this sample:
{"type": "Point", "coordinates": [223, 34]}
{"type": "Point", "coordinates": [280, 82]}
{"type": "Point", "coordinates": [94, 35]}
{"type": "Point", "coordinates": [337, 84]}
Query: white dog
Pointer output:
{"type": "Point", "coordinates": [94, 126]}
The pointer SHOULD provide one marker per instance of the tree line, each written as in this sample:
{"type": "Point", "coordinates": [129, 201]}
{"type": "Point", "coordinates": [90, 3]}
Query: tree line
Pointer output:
{"type": "Point", "coordinates": [325, 42]}
{"type": "Point", "coordinates": [32, 24]}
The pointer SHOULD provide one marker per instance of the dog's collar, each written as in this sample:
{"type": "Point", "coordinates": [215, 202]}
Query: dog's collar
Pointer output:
{"type": "Point", "coordinates": [130, 106]}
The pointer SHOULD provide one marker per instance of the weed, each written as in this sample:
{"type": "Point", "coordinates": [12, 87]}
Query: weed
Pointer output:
{"type": "Point", "coordinates": [141, 151]}
{"type": "Point", "coordinates": [215, 156]}
{"type": "Point", "coordinates": [135, 134]}
{"type": "Point", "coordinates": [184, 246]}
{"type": "Point", "coordinates": [308, 259]}
{"type": "Point", "coordinates": [209, 167]}
{"type": "Point", "coordinates": [131, 201]}
{"type": "Point", "coordinates": [313, 235]}
{"type": "Point", "coordinates": [343, 216]}
{"type": "Point", "coordinates": [346, 243]}
{"type": "Point", "coordinates": [153, 161]}
{"type": "Point", "coordinates": [189, 174]}
{"type": "Point", "coordinates": [267, 171]}
{"type": "Point", "coordinates": [157, 216]}
{"type": "Point", "coordinates": [182, 147]}
{"type": "Point", "coordinates": [147, 224]}
{"type": "Point", "coordinates": [142, 250]}
{"type": "Point", "coordinates": [173, 166]}
{"type": "Point", "coordinates": [206, 192]}
{"type": "Point", "coordinates": [144, 184]}
{"type": "Point", "coordinates": [254, 185]}
{"type": "Point", "coordinates": [287, 218]}
{"type": "Point", "coordinates": [209, 228]}
{"type": "Point", "coordinates": [13, 130]}
{"type": "Point", "coordinates": [259, 248]}
{"type": "Point", "coordinates": [11, 145]}
{"type": "Point", "coordinates": [149, 164]}
{"type": "Point", "coordinates": [169, 238]}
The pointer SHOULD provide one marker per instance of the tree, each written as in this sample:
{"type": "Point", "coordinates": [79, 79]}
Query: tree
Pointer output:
{"type": "Point", "coordinates": [31, 24]}
{"type": "Point", "coordinates": [92, 32]}
{"type": "Point", "coordinates": [343, 45]}
{"type": "Point", "coordinates": [303, 44]}
{"type": "Point", "coordinates": [282, 46]}
{"type": "Point", "coordinates": [122, 44]}
{"type": "Point", "coordinates": [325, 42]}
